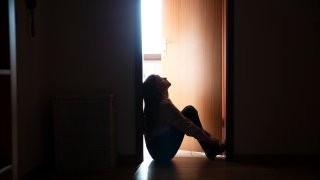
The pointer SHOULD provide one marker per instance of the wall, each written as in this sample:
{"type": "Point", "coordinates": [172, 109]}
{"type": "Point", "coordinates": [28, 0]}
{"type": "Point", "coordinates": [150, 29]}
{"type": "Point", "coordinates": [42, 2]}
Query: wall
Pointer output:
{"type": "Point", "coordinates": [33, 90]}
{"type": "Point", "coordinates": [80, 48]}
{"type": "Point", "coordinates": [90, 48]}
{"type": "Point", "coordinates": [276, 89]}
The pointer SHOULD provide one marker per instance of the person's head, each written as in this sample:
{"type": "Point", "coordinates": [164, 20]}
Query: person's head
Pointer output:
{"type": "Point", "coordinates": [155, 88]}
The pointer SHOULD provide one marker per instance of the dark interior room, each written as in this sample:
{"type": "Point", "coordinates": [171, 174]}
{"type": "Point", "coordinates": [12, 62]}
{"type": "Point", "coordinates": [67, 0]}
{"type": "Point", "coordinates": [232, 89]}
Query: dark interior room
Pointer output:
{"type": "Point", "coordinates": [71, 59]}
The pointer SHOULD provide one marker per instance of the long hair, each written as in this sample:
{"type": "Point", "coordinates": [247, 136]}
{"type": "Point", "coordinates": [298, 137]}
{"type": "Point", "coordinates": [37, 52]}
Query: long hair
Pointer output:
{"type": "Point", "coordinates": [152, 98]}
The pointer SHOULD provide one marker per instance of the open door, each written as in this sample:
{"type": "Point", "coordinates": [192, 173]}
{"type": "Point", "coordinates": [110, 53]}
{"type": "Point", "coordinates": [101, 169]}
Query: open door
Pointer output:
{"type": "Point", "coordinates": [193, 58]}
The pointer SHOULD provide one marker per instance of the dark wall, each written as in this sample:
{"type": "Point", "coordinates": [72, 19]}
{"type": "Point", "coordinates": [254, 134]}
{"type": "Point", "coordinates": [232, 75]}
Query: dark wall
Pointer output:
{"type": "Point", "coordinates": [80, 48]}
{"type": "Point", "coordinates": [276, 77]}
{"type": "Point", "coordinates": [90, 48]}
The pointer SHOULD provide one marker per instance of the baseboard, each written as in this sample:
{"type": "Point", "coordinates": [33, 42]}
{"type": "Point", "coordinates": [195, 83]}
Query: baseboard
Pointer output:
{"type": "Point", "coordinates": [277, 158]}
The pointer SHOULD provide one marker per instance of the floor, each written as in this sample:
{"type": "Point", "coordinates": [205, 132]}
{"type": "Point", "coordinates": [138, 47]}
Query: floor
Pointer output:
{"type": "Point", "coordinates": [195, 167]}
{"type": "Point", "coordinates": [202, 168]}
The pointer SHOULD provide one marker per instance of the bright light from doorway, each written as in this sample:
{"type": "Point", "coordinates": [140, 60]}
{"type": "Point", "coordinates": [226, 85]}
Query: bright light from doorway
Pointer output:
{"type": "Point", "coordinates": [151, 20]}
{"type": "Point", "coordinates": [151, 11]}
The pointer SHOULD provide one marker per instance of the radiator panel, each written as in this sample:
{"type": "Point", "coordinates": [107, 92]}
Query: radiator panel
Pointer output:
{"type": "Point", "coordinates": [84, 134]}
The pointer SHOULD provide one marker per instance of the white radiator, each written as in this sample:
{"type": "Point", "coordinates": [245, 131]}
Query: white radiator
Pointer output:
{"type": "Point", "coordinates": [84, 133]}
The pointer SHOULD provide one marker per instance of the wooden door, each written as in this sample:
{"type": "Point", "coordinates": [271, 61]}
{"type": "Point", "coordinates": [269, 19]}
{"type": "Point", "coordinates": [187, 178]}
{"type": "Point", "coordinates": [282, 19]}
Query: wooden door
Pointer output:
{"type": "Point", "coordinates": [192, 60]}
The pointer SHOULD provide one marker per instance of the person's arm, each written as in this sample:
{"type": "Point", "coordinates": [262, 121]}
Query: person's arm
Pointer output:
{"type": "Point", "coordinates": [173, 116]}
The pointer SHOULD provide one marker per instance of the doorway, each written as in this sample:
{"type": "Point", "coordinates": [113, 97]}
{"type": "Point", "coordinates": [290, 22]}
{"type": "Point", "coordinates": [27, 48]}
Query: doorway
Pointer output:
{"type": "Point", "coordinates": [186, 43]}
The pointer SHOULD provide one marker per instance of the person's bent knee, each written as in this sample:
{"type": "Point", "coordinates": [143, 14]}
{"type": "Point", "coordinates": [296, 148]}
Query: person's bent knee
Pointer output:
{"type": "Point", "coordinates": [189, 109]}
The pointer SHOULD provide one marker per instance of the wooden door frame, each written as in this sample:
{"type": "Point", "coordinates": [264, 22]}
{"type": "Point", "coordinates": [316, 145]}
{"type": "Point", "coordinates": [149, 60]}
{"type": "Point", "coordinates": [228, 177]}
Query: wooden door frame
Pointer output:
{"type": "Point", "coordinates": [229, 84]}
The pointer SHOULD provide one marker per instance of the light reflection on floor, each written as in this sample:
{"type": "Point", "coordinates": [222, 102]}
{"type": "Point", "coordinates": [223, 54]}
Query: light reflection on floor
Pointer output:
{"type": "Point", "coordinates": [180, 153]}
{"type": "Point", "coordinates": [143, 171]}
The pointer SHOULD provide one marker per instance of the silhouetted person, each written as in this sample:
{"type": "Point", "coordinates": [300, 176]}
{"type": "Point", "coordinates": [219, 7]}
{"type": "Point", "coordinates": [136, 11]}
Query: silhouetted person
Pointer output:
{"type": "Point", "coordinates": [165, 126]}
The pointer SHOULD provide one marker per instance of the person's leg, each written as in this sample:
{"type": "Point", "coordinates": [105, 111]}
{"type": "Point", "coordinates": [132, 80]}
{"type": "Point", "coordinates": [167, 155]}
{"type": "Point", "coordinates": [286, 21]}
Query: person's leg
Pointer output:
{"type": "Point", "coordinates": [191, 113]}
{"type": "Point", "coordinates": [211, 150]}
{"type": "Point", "coordinates": [164, 148]}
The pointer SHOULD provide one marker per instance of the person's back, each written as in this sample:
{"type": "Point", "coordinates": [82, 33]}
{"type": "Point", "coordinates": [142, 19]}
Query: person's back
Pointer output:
{"type": "Point", "coordinates": [157, 124]}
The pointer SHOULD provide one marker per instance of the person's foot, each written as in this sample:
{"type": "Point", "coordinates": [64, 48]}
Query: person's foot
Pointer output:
{"type": "Point", "coordinates": [215, 150]}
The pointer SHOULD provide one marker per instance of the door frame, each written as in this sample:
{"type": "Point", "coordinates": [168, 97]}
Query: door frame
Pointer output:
{"type": "Point", "coordinates": [230, 80]}
{"type": "Point", "coordinates": [229, 84]}
{"type": "Point", "coordinates": [138, 87]}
